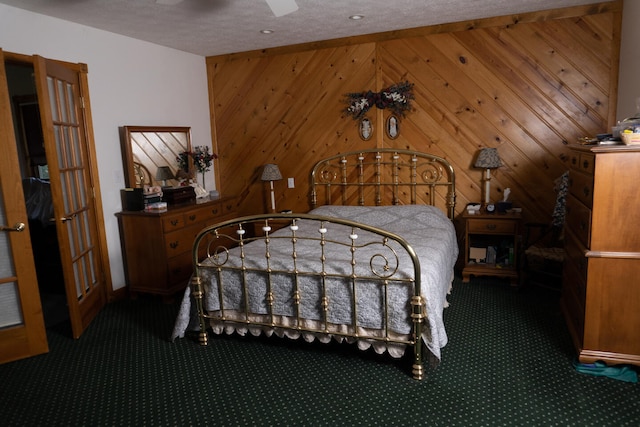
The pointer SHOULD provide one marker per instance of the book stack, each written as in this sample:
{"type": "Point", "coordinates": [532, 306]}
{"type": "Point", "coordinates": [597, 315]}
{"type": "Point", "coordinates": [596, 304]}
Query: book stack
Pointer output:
{"type": "Point", "coordinates": [156, 207]}
{"type": "Point", "coordinates": [151, 198]}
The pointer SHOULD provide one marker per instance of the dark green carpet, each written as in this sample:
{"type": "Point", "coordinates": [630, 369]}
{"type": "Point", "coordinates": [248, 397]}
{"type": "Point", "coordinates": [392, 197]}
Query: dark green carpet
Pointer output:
{"type": "Point", "coordinates": [508, 362]}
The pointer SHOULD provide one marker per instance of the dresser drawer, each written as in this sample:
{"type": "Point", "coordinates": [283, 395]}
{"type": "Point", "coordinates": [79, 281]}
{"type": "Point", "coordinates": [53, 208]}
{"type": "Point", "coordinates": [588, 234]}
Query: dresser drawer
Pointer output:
{"type": "Point", "coordinates": [203, 214]}
{"type": "Point", "coordinates": [582, 162]}
{"type": "Point", "coordinates": [575, 256]}
{"type": "Point", "coordinates": [180, 268]}
{"type": "Point", "coordinates": [578, 219]}
{"type": "Point", "coordinates": [173, 222]}
{"type": "Point", "coordinates": [181, 241]}
{"type": "Point", "coordinates": [573, 300]}
{"type": "Point", "coordinates": [581, 186]}
{"type": "Point", "coordinates": [228, 208]}
{"type": "Point", "coordinates": [587, 163]}
{"type": "Point", "coordinates": [489, 226]}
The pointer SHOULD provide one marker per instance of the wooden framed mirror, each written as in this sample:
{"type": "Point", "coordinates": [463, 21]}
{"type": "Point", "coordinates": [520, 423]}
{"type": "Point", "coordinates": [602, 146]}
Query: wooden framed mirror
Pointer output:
{"type": "Point", "coordinates": [146, 148]}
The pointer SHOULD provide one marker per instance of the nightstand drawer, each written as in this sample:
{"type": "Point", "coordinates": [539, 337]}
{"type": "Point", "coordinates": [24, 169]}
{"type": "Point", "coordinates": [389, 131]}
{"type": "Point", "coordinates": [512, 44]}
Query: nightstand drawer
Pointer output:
{"type": "Point", "coordinates": [490, 226]}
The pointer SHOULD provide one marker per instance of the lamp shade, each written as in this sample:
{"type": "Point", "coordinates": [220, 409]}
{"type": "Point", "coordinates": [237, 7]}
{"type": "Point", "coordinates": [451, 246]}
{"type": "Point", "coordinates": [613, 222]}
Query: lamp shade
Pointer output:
{"type": "Point", "coordinates": [271, 172]}
{"type": "Point", "coordinates": [488, 159]}
{"type": "Point", "coordinates": [163, 173]}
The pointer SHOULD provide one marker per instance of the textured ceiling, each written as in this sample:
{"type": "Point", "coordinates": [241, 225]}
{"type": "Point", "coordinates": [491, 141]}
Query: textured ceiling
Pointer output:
{"type": "Point", "coordinates": [215, 27]}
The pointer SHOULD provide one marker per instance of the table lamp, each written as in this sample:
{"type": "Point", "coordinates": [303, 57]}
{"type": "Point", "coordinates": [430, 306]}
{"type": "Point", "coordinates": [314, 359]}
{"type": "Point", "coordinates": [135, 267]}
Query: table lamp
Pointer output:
{"type": "Point", "coordinates": [163, 174]}
{"type": "Point", "coordinates": [271, 173]}
{"type": "Point", "coordinates": [487, 159]}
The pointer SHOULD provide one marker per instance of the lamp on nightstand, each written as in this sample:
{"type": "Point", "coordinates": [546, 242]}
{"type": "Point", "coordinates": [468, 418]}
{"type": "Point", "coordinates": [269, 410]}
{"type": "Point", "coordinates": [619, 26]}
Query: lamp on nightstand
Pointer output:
{"type": "Point", "coordinates": [487, 159]}
{"type": "Point", "coordinates": [271, 173]}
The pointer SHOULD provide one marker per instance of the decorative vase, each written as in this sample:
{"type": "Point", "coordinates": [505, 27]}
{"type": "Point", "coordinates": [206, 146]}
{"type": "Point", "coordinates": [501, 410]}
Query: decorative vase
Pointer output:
{"type": "Point", "coordinates": [203, 186]}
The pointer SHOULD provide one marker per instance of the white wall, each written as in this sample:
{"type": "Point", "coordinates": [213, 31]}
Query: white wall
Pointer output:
{"type": "Point", "coordinates": [131, 82]}
{"type": "Point", "coordinates": [629, 80]}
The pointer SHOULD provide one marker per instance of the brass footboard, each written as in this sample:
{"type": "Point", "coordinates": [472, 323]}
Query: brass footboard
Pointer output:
{"type": "Point", "coordinates": [292, 273]}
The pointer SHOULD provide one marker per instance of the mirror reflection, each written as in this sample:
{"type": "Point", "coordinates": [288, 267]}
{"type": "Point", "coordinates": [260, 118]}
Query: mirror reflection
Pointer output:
{"type": "Point", "coordinates": [149, 151]}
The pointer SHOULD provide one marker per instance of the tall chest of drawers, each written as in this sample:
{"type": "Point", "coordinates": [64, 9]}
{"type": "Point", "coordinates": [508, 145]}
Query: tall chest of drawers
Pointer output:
{"type": "Point", "coordinates": [157, 246]}
{"type": "Point", "coordinates": [601, 276]}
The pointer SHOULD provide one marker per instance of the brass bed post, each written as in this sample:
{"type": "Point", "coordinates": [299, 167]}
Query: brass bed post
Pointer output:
{"type": "Point", "coordinates": [396, 182]}
{"type": "Point", "coordinates": [198, 292]}
{"type": "Point", "coordinates": [354, 305]}
{"type": "Point", "coordinates": [417, 316]}
{"type": "Point", "coordinates": [361, 179]}
{"type": "Point", "coordinates": [378, 173]}
{"type": "Point", "coordinates": [343, 169]}
{"type": "Point", "coordinates": [269, 298]}
{"type": "Point", "coordinates": [414, 179]}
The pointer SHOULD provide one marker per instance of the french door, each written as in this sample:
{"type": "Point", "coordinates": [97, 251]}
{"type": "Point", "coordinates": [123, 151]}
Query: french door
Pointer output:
{"type": "Point", "coordinates": [22, 331]}
{"type": "Point", "coordinates": [72, 189]}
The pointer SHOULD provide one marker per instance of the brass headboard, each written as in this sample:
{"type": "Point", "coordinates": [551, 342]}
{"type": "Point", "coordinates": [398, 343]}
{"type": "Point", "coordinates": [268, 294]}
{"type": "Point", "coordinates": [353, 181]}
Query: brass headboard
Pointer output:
{"type": "Point", "coordinates": [384, 176]}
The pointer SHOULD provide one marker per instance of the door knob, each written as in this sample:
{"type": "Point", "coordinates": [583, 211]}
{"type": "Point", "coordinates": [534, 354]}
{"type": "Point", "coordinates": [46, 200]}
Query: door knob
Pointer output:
{"type": "Point", "coordinates": [67, 218]}
{"type": "Point", "coordinates": [18, 227]}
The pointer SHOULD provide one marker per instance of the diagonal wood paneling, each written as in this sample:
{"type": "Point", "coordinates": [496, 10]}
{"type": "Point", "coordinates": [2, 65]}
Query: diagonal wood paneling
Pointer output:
{"type": "Point", "coordinates": [526, 85]}
{"type": "Point", "coordinates": [284, 109]}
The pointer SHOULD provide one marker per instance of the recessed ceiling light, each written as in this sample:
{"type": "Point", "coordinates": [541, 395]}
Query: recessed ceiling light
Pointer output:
{"type": "Point", "coordinates": [356, 17]}
{"type": "Point", "coordinates": [266, 31]}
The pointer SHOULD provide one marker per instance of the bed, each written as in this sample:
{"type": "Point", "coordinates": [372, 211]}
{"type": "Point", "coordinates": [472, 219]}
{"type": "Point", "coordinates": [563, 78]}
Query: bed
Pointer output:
{"type": "Point", "coordinates": [372, 263]}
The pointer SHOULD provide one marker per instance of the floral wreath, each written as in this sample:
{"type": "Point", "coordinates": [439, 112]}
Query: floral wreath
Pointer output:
{"type": "Point", "coordinates": [201, 156]}
{"type": "Point", "coordinates": [396, 98]}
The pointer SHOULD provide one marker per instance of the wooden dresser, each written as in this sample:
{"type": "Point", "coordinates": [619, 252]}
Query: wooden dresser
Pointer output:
{"type": "Point", "coordinates": [601, 276]}
{"type": "Point", "coordinates": [157, 246]}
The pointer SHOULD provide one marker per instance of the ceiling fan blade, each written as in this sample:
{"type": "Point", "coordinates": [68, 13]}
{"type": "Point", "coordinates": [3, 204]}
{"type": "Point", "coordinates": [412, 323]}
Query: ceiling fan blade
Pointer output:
{"type": "Point", "coordinates": [168, 2]}
{"type": "Point", "coordinates": [282, 7]}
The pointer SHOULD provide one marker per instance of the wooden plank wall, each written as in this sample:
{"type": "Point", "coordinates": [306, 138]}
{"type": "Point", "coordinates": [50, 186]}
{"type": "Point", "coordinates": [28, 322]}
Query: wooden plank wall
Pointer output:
{"type": "Point", "coordinates": [525, 84]}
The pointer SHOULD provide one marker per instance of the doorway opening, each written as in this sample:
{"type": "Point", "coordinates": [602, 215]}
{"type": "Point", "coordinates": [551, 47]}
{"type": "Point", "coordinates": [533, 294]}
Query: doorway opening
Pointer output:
{"type": "Point", "coordinates": [37, 192]}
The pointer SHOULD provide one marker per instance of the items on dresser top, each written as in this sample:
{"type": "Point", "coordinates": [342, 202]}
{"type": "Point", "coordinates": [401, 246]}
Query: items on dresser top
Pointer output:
{"type": "Point", "coordinates": [157, 245]}
{"type": "Point", "coordinates": [600, 289]}
{"type": "Point", "coordinates": [178, 195]}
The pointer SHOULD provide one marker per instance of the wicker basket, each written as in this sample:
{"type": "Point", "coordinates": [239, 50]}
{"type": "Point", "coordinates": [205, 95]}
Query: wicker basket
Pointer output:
{"type": "Point", "coordinates": [629, 138]}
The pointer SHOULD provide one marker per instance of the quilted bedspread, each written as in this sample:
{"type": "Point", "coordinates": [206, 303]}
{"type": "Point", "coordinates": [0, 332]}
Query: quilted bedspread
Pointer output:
{"type": "Point", "coordinates": [425, 228]}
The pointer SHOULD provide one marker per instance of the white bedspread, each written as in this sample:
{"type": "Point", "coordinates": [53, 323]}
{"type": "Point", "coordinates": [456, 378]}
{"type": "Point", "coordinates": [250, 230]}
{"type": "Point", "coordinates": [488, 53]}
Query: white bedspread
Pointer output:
{"type": "Point", "coordinates": [427, 230]}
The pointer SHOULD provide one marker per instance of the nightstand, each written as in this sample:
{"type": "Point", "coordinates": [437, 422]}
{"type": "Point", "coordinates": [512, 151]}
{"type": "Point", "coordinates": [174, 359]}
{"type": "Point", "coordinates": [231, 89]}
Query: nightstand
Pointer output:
{"type": "Point", "coordinates": [491, 245]}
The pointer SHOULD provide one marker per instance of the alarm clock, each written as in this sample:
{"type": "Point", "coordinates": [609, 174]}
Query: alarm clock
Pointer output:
{"type": "Point", "coordinates": [491, 208]}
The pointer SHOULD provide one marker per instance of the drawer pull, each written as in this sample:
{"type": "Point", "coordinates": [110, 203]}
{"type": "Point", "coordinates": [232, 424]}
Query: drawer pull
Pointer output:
{"type": "Point", "coordinates": [192, 217]}
{"type": "Point", "coordinates": [174, 222]}
{"type": "Point", "coordinates": [585, 164]}
{"type": "Point", "coordinates": [214, 211]}
{"type": "Point", "coordinates": [586, 191]}
{"type": "Point", "coordinates": [491, 226]}
{"type": "Point", "coordinates": [173, 245]}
